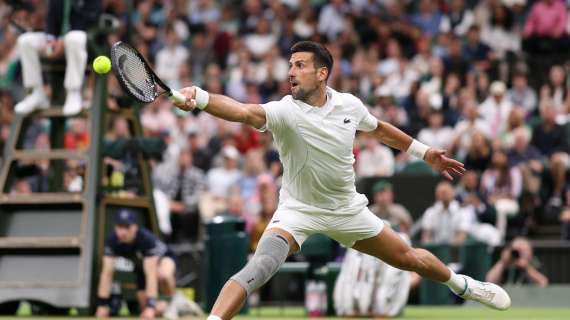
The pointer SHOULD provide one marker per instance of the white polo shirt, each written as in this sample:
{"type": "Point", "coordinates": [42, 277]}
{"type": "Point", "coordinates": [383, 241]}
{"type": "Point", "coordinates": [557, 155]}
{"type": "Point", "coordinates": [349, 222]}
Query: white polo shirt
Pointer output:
{"type": "Point", "coordinates": [315, 145]}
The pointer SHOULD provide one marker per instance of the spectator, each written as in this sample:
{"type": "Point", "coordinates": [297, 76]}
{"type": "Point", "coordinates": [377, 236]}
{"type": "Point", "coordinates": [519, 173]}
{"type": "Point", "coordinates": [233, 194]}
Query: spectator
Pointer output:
{"type": "Point", "coordinates": [548, 136]}
{"type": "Point", "coordinates": [81, 16]}
{"type": "Point", "coordinates": [555, 91]}
{"type": "Point", "coordinates": [445, 222]}
{"type": "Point", "coordinates": [375, 160]}
{"type": "Point", "coordinates": [428, 18]}
{"type": "Point", "coordinates": [260, 42]}
{"type": "Point", "coordinates": [517, 265]}
{"type": "Point", "coordinates": [521, 94]}
{"type": "Point", "coordinates": [221, 179]}
{"type": "Point", "coordinates": [469, 194]}
{"type": "Point", "coordinates": [500, 34]}
{"type": "Point", "coordinates": [501, 186]}
{"type": "Point", "coordinates": [458, 20]}
{"type": "Point", "coordinates": [496, 109]}
{"type": "Point", "coordinates": [466, 129]}
{"type": "Point", "coordinates": [565, 217]}
{"type": "Point", "coordinates": [436, 134]}
{"type": "Point", "coordinates": [545, 26]}
{"type": "Point", "coordinates": [268, 207]}
{"type": "Point", "coordinates": [475, 51]}
{"type": "Point", "coordinates": [331, 19]}
{"type": "Point", "coordinates": [170, 59]}
{"type": "Point", "coordinates": [385, 208]}
{"type": "Point", "coordinates": [515, 121]}
{"type": "Point", "coordinates": [183, 184]}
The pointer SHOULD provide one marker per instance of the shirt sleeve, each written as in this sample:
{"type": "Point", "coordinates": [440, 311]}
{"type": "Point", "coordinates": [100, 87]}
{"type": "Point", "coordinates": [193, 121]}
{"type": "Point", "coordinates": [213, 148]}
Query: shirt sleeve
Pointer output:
{"type": "Point", "coordinates": [427, 220]}
{"type": "Point", "coordinates": [152, 246]}
{"type": "Point", "coordinates": [367, 122]}
{"type": "Point", "coordinates": [276, 116]}
{"type": "Point", "coordinates": [109, 251]}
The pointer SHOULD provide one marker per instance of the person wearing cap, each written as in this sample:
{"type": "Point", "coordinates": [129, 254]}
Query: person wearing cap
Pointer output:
{"type": "Point", "coordinates": [221, 179]}
{"type": "Point", "coordinates": [496, 108]}
{"type": "Point", "coordinates": [153, 264]}
{"type": "Point", "coordinates": [385, 208]}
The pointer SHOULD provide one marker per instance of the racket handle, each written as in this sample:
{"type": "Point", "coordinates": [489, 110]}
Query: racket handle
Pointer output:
{"type": "Point", "coordinates": [177, 97]}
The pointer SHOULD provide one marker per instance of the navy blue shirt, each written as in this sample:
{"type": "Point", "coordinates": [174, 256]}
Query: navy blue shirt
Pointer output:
{"type": "Point", "coordinates": [146, 244]}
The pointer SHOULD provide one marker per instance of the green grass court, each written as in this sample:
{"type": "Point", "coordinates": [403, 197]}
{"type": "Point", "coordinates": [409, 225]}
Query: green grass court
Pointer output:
{"type": "Point", "coordinates": [440, 313]}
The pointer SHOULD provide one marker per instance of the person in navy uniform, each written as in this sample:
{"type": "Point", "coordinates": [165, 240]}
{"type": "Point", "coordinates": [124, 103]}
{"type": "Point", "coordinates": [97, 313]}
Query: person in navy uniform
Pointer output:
{"type": "Point", "coordinates": [152, 262]}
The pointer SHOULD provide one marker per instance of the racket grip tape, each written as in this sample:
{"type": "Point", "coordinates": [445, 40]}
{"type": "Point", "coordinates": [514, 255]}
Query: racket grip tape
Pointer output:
{"type": "Point", "coordinates": [177, 97]}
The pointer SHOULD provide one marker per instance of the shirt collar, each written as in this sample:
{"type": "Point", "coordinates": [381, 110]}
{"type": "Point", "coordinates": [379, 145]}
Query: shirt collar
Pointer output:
{"type": "Point", "coordinates": [333, 100]}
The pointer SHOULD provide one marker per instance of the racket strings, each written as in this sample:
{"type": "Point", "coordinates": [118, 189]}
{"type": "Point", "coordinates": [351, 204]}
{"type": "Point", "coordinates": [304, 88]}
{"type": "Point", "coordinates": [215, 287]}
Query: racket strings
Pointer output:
{"type": "Point", "coordinates": [133, 74]}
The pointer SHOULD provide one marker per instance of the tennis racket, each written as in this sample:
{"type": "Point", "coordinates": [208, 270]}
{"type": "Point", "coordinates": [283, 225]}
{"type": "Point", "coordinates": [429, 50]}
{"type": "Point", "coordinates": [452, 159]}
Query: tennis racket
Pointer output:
{"type": "Point", "coordinates": [137, 78]}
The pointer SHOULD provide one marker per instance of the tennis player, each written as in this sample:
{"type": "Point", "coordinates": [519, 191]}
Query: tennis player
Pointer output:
{"type": "Point", "coordinates": [314, 130]}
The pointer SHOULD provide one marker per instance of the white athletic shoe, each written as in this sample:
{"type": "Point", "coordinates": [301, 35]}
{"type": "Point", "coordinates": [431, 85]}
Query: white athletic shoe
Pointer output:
{"type": "Point", "coordinates": [171, 312]}
{"type": "Point", "coordinates": [73, 103]}
{"type": "Point", "coordinates": [486, 293]}
{"type": "Point", "coordinates": [35, 100]}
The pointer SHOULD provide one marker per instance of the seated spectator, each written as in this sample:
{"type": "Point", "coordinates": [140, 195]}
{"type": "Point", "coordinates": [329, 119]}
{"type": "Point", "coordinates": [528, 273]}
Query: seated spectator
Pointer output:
{"type": "Point", "coordinates": [555, 92]}
{"type": "Point", "coordinates": [458, 20]}
{"type": "Point", "coordinates": [446, 222]}
{"type": "Point", "coordinates": [517, 265]}
{"type": "Point", "coordinates": [428, 18]}
{"type": "Point", "coordinates": [545, 26]}
{"type": "Point", "coordinates": [476, 51]}
{"type": "Point", "coordinates": [260, 42]}
{"type": "Point", "coordinates": [466, 129]}
{"type": "Point", "coordinates": [220, 180]}
{"type": "Point", "coordinates": [500, 33]}
{"type": "Point", "coordinates": [521, 94]}
{"type": "Point", "coordinates": [501, 186]}
{"type": "Point", "coordinates": [170, 59]}
{"type": "Point", "coordinates": [183, 184]}
{"type": "Point", "coordinates": [73, 44]}
{"type": "Point", "coordinates": [515, 122]}
{"type": "Point", "coordinates": [267, 209]}
{"type": "Point", "coordinates": [479, 153]}
{"type": "Point", "coordinates": [496, 109]}
{"type": "Point", "coordinates": [469, 194]}
{"type": "Point", "coordinates": [385, 208]}
{"type": "Point", "coordinates": [374, 159]}
{"type": "Point", "coordinates": [548, 136]}
{"type": "Point", "coordinates": [436, 135]}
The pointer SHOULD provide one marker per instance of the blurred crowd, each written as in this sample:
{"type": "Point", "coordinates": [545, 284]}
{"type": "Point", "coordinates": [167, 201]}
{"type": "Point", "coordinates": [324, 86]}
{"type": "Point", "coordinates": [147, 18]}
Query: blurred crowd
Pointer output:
{"type": "Point", "coordinates": [486, 80]}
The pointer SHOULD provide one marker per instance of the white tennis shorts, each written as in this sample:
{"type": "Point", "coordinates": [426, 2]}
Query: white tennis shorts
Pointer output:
{"type": "Point", "coordinates": [302, 221]}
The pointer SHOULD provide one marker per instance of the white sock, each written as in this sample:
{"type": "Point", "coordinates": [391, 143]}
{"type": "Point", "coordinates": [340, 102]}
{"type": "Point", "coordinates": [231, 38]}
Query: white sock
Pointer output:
{"type": "Point", "coordinates": [213, 317]}
{"type": "Point", "coordinates": [456, 283]}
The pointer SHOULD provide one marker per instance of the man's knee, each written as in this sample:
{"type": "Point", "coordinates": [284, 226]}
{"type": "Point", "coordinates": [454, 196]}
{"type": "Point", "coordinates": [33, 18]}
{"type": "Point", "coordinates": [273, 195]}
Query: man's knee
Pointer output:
{"type": "Point", "coordinates": [75, 39]}
{"type": "Point", "coordinates": [271, 253]}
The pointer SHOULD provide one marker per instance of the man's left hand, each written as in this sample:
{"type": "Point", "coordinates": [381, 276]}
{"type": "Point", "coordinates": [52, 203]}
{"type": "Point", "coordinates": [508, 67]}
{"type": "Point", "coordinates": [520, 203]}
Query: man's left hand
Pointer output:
{"type": "Point", "coordinates": [441, 163]}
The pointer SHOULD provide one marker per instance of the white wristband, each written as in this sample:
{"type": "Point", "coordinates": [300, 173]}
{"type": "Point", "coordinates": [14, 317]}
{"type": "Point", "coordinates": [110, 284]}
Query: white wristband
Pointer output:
{"type": "Point", "coordinates": [202, 98]}
{"type": "Point", "coordinates": [417, 149]}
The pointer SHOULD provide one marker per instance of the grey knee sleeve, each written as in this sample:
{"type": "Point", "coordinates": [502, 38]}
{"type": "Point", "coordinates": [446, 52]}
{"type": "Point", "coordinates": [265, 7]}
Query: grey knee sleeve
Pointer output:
{"type": "Point", "coordinates": [271, 253]}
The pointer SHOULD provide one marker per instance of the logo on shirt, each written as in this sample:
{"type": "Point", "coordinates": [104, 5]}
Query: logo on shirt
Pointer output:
{"type": "Point", "coordinates": [346, 120]}
{"type": "Point", "coordinates": [275, 221]}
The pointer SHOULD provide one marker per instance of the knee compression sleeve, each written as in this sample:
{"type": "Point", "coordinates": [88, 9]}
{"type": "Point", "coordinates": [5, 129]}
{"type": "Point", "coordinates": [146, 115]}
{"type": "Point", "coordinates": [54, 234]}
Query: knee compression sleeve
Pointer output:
{"type": "Point", "coordinates": [271, 253]}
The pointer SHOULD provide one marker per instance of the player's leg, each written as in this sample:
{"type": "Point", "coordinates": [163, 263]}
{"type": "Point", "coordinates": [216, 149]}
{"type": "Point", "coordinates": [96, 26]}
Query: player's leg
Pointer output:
{"type": "Point", "coordinates": [167, 276]}
{"type": "Point", "coordinates": [29, 45]}
{"type": "Point", "coordinates": [273, 248]}
{"type": "Point", "coordinates": [75, 44]}
{"type": "Point", "coordinates": [390, 248]}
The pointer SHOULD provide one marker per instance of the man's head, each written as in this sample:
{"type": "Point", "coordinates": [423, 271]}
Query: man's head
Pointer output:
{"type": "Point", "coordinates": [445, 192]}
{"type": "Point", "coordinates": [126, 225]}
{"type": "Point", "coordinates": [231, 157]}
{"type": "Point", "coordinates": [383, 195]}
{"type": "Point", "coordinates": [310, 66]}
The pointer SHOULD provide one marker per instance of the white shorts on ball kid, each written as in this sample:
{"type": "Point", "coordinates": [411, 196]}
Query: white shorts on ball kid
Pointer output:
{"type": "Point", "coordinates": [302, 221]}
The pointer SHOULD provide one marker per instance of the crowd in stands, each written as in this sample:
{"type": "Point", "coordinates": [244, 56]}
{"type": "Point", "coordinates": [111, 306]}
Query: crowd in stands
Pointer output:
{"type": "Point", "coordinates": [486, 80]}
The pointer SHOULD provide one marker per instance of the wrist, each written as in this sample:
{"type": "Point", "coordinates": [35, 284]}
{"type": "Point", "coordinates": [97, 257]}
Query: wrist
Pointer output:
{"type": "Point", "coordinates": [103, 302]}
{"type": "Point", "coordinates": [417, 149]}
{"type": "Point", "coordinates": [202, 98]}
{"type": "Point", "coordinates": [151, 303]}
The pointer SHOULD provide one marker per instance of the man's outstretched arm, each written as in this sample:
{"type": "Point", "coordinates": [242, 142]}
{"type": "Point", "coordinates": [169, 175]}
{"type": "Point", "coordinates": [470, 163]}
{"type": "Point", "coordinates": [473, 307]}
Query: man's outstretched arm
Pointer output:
{"type": "Point", "coordinates": [223, 107]}
{"type": "Point", "coordinates": [396, 138]}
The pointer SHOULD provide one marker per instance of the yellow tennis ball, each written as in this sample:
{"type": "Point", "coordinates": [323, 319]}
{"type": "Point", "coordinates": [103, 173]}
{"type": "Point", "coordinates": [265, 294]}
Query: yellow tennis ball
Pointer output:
{"type": "Point", "coordinates": [102, 64]}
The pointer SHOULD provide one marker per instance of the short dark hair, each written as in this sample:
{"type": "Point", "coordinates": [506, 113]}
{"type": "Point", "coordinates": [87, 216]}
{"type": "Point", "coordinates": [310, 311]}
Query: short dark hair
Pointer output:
{"type": "Point", "coordinates": [321, 55]}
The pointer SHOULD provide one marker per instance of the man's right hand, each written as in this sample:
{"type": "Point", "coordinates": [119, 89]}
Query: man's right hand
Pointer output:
{"type": "Point", "coordinates": [102, 312]}
{"type": "Point", "coordinates": [506, 256]}
{"type": "Point", "coordinates": [190, 94]}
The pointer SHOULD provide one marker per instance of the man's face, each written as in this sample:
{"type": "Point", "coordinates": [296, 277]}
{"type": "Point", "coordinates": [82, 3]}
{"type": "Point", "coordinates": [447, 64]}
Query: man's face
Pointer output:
{"type": "Point", "coordinates": [126, 232]}
{"type": "Point", "coordinates": [384, 198]}
{"type": "Point", "coordinates": [304, 76]}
